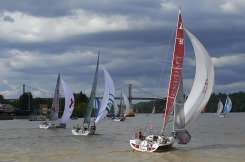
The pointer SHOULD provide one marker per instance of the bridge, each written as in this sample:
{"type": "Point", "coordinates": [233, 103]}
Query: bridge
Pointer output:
{"type": "Point", "coordinates": [134, 93]}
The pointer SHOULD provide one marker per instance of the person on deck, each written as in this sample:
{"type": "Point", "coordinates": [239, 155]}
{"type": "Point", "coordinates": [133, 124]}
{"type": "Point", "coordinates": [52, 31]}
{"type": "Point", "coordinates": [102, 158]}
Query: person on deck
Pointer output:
{"type": "Point", "coordinates": [78, 127]}
{"type": "Point", "coordinates": [141, 136]}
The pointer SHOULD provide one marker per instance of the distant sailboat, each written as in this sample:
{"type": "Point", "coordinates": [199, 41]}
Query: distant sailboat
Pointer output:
{"type": "Point", "coordinates": [124, 101]}
{"type": "Point", "coordinates": [69, 107]}
{"type": "Point", "coordinates": [153, 110]}
{"type": "Point", "coordinates": [219, 108]}
{"type": "Point", "coordinates": [184, 111]}
{"type": "Point", "coordinates": [227, 107]}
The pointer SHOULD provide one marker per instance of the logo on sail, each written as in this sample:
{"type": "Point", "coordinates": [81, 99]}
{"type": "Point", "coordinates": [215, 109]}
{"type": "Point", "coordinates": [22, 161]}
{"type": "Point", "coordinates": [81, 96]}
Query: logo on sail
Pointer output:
{"type": "Point", "coordinates": [72, 102]}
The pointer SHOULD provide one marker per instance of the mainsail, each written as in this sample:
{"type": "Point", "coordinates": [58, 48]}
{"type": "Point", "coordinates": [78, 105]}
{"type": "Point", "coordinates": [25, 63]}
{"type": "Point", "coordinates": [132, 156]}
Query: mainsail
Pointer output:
{"type": "Point", "coordinates": [90, 106]}
{"type": "Point", "coordinates": [69, 103]}
{"type": "Point", "coordinates": [55, 104]}
{"type": "Point", "coordinates": [176, 71]}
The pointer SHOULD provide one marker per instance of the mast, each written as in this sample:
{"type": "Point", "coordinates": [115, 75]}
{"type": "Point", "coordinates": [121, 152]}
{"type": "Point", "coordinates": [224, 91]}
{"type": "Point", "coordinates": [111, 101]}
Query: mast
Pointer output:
{"type": "Point", "coordinates": [121, 105]}
{"type": "Point", "coordinates": [176, 70]}
{"type": "Point", "coordinates": [92, 97]}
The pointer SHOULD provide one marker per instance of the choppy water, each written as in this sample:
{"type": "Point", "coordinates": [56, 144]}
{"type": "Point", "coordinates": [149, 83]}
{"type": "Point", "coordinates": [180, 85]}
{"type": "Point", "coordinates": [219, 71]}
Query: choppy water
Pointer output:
{"type": "Point", "coordinates": [213, 139]}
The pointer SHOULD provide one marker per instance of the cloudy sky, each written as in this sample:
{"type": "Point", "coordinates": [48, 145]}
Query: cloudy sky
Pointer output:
{"type": "Point", "coordinates": [39, 39]}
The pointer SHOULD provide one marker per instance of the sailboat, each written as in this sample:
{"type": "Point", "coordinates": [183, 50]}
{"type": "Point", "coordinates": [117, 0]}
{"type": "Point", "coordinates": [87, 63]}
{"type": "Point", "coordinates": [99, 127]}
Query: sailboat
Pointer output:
{"type": "Point", "coordinates": [54, 122]}
{"type": "Point", "coordinates": [227, 107]}
{"type": "Point", "coordinates": [153, 110]}
{"type": "Point", "coordinates": [124, 101]}
{"type": "Point", "coordinates": [219, 108]}
{"type": "Point", "coordinates": [184, 111]}
{"type": "Point", "coordinates": [88, 126]}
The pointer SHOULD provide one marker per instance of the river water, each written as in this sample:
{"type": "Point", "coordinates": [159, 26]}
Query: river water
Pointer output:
{"type": "Point", "coordinates": [213, 139]}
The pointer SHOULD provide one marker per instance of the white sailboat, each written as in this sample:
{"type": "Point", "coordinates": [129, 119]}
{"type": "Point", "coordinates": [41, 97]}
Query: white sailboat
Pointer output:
{"type": "Point", "coordinates": [54, 122]}
{"type": "Point", "coordinates": [219, 108]}
{"type": "Point", "coordinates": [184, 111]}
{"type": "Point", "coordinates": [107, 101]}
{"type": "Point", "coordinates": [54, 112]}
{"type": "Point", "coordinates": [227, 107]}
{"type": "Point", "coordinates": [88, 125]}
{"type": "Point", "coordinates": [124, 101]}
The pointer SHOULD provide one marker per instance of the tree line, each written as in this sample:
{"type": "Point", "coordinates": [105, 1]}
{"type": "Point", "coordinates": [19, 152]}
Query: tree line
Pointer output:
{"type": "Point", "coordinates": [237, 98]}
{"type": "Point", "coordinates": [26, 103]}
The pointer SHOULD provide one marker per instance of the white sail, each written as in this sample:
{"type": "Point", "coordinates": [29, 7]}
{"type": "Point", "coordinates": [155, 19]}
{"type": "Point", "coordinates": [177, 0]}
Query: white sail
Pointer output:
{"type": "Point", "coordinates": [179, 116]}
{"type": "Point", "coordinates": [55, 104]}
{"type": "Point", "coordinates": [203, 82]}
{"type": "Point", "coordinates": [116, 108]}
{"type": "Point", "coordinates": [126, 102]}
{"type": "Point", "coordinates": [108, 97]}
{"type": "Point", "coordinates": [220, 108]}
{"type": "Point", "coordinates": [69, 103]}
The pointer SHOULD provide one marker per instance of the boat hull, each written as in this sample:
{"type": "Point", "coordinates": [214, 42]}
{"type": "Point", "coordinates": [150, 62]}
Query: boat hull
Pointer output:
{"type": "Point", "coordinates": [152, 146]}
{"type": "Point", "coordinates": [119, 119]}
{"type": "Point", "coordinates": [51, 126]}
{"type": "Point", "coordinates": [80, 132]}
{"type": "Point", "coordinates": [84, 131]}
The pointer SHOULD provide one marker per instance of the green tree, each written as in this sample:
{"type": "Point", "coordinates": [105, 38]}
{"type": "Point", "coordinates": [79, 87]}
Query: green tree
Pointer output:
{"type": "Point", "coordinates": [2, 100]}
{"type": "Point", "coordinates": [26, 101]}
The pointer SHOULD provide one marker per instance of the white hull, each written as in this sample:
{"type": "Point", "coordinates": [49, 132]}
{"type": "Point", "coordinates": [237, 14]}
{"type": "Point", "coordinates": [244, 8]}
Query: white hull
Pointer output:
{"type": "Point", "coordinates": [150, 144]}
{"type": "Point", "coordinates": [51, 126]}
{"type": "Point", "coordinates": [43, 126]}
{"type": "Point", "coordinates": [119, 119]}
{"type": "Point", "coordinates": [80, 132]}
{"type": "Point", "coordinates": [83, 132]}
{"type": "Point", "coordinates": [222, 116]}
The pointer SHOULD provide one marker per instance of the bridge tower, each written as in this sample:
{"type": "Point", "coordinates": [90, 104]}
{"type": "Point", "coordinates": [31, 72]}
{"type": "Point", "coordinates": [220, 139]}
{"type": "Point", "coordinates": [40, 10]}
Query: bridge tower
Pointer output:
{"type": "Point", "coordinates": [24, 89]}
{"type": "Point", "coordinates": [130, 94]}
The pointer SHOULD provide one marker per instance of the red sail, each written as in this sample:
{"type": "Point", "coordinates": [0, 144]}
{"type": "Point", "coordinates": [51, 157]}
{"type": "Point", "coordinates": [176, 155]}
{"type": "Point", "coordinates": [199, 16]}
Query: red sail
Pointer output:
{"type": "Point", "coordinates": [176, 71]}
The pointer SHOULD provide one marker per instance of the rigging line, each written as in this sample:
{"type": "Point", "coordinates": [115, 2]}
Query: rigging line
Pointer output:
{"type": "Point", "coordinates": [166, 57]}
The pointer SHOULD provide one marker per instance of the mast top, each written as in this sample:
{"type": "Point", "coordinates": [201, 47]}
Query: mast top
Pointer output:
{"type": "Point", "coordinates": [180, 8]}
